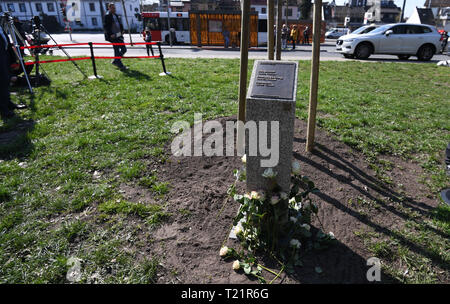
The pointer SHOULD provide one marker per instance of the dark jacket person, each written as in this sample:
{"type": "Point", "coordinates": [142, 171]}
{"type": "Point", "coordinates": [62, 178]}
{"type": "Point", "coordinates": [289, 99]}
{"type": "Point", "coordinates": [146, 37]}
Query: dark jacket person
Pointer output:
{"type": "Point", "coordinates": [6, 105]}
{"type": "Point", "coordinates": [114, 33]}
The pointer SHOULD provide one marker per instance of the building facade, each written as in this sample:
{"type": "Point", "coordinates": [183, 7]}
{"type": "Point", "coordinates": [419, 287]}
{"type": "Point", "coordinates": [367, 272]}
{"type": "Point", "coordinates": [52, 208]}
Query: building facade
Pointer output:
{"type": "Point", "coordinates": [89, 12]}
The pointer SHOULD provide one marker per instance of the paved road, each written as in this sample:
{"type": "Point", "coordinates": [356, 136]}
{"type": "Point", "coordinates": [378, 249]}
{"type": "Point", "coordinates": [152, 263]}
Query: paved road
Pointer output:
{"type": "Point", "coordinates": [302, 52]}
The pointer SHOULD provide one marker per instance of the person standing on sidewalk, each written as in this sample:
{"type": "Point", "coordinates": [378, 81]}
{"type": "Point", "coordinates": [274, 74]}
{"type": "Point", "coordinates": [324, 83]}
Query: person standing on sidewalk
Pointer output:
{"type": "Point", "coordinates": [148, 38]}
{"type": "Point", "coordinates": [114, 34]}
{"type": "Point", "coordinates": [294, 36]}
{"type": "Point", "coordinates": [306, 35]}
{"type": "Point", "coordinates": [226, 37]}
{"type": "Point", "coordinates": [284, 36]}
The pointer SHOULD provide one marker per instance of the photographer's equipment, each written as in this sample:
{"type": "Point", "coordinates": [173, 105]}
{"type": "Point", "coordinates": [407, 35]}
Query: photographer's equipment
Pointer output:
{"type": "Point", "coordinates": [10, 29]}
{"type": "Point", "coordinates": [39, 28]}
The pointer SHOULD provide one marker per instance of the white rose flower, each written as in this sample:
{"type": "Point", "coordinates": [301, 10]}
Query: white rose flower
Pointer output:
{"type": "Point", "coordinates": [293, 219]}
{"type": "Point", "coordinates": [244, 159]}
{"type": "Point", "coordinates": [247, 196]}
{"type": "Point", "coordinates": [236, 265]}
{"type": "Point", "coordinates": [295, 243]}
{"type": "Point", "coordinates": [255, 195]}
{"type": "Point", "coordinates": [283, 195]}
{"type": "Point", "coordinates": [331, 234]}
{"type": "Point", "coordinates": [296, 167]}
{"type": "Point", "coordinates": [274, 200]}
{"type": "Point", "coordinates": [238, 230]}
{"type": "Point", "coordinates": [292, 201]}
{"type": "Point", "coordinates": [306, 226]}
{"type": "Point", "coordinates": [223, 251]}
{"type": "Point", "coordinates": [269, 173]}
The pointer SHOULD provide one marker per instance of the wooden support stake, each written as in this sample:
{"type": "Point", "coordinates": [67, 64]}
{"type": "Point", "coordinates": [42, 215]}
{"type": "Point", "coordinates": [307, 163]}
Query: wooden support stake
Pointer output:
{"type": "Point", "coordinates": [270, 29]}
{"type": "Point", "coordinates": [245, 35]}
{"type": "Point", "coordinates": [279, 21]}
{"type": "Point", "coordinates": [314, 75]}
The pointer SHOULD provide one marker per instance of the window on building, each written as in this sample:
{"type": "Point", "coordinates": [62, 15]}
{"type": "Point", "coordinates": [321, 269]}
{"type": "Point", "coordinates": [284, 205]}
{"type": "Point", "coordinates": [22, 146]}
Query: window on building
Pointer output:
{"type": "Point", "coordinates": [263, 10]}
{"type": "Point", "coordinates": [92, 7]}
{"type": "Point", "coordinates": [262, 25]}
{"type": "Point", "coordinates": [22, 7]}
{"type": "Point", "coordinates": [289, 12]}
{"type": "Point", "coordinates": [39, 7]}
{"type": "Point", "coordinates": [10, 7]}
{"type": "Point", "coordinates": [94, 21]}
{"type": "Point", "coordinates": [50, 7]}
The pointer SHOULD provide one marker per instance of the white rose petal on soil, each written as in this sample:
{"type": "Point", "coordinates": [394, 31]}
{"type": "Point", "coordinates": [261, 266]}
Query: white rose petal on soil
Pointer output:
{"type": "Point", "coordinates": [223, 251]}
{"type": "Point", "coordinates": [236, 265]}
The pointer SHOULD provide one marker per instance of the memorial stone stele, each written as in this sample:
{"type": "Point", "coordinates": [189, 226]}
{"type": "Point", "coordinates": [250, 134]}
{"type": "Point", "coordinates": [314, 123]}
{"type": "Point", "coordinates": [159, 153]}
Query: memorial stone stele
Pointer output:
{"type": "Point", "coordinates": [271, 97]}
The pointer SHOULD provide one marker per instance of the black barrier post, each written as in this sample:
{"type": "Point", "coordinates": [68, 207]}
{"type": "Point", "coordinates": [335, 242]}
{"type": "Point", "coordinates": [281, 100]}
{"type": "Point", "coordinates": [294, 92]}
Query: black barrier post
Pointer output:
{"type": "Point", "coordinates": [93, 62]}
{"type": "Point", "coordinates": [162, 60]}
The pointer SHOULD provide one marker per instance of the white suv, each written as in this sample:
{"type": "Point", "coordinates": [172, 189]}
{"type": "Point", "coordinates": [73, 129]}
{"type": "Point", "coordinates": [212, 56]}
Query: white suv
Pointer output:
{"type": "Point", "coordinates": [401, 39]}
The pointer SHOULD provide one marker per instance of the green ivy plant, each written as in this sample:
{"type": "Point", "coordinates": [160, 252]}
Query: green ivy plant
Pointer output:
{"type": "Point", "coordinates": [262, 224]}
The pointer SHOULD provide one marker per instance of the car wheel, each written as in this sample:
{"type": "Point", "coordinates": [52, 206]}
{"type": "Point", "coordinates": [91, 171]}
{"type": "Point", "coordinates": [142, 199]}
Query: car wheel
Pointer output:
{"type": "Point", "coordinates": [403, 57]}
{"type": "Point", "coordinates": [425, 53]}
{"type": "Point", "coordinates": [348, 56]}
{"type": "Point", "coordinates": [363, 51]}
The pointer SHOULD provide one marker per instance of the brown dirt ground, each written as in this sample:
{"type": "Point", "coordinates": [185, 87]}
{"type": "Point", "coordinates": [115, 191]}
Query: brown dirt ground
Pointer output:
{"type": "Point", "coordinates": [352, 199]}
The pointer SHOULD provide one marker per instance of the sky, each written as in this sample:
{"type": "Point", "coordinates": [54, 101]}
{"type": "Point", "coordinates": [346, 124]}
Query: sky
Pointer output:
{"type": "Point", "coordinates": [410, 4]}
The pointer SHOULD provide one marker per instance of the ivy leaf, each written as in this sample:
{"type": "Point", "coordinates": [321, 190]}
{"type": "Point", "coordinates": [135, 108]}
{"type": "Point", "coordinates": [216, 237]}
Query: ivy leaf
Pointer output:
{"type": "Point", "coordinates": [299, 263]}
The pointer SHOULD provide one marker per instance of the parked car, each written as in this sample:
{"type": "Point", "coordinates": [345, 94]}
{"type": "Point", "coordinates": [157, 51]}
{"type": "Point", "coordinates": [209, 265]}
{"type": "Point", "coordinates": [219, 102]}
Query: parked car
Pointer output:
{"type": "Point", "coordinates": [401, 39]}
{"type": "Point", "coordinates": [335, 33]}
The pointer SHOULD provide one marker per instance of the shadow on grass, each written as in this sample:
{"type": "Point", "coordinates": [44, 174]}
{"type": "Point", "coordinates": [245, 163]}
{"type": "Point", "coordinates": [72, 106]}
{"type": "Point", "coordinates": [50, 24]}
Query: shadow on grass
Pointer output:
{"type": "Point", "coordinates": [14, 139]}
{"type": "Point", "coordinates": [136, 74]}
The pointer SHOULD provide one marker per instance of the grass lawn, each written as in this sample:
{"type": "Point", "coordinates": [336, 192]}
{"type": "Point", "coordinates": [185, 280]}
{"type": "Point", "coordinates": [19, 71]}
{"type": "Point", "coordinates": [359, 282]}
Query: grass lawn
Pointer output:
{"type": "Point", "coordinates": [81, 139]}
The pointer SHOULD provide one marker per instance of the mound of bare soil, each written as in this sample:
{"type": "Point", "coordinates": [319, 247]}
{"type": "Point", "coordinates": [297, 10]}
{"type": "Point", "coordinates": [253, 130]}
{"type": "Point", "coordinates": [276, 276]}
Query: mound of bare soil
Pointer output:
{"type": "Point", "coordinates": [351, 200]}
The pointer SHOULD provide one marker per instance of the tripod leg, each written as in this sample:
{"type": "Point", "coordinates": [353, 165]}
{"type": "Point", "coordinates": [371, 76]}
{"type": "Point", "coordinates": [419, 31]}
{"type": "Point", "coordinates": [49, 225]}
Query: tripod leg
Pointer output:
{"type": "Point", "coordinates": [64, 51]}
{"type": "Point", "coordinates": [13, 34]}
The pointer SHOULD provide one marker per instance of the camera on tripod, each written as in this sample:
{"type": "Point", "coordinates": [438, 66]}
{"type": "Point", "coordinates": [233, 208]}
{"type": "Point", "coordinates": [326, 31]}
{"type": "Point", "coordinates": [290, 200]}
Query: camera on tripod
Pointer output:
{"type": "Point", "coordinates": [5, 19]}
{"type": "Point", "coordinates": [36, 21]}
